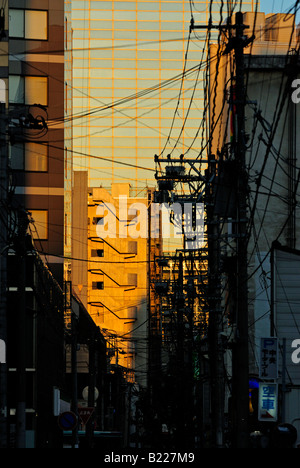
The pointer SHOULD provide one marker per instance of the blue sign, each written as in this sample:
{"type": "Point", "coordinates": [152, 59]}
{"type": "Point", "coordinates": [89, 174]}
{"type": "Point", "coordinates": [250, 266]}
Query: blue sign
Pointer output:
{"type": "Point", "coordinates": [68, 421]}
{"type": "Point", "coordinates": [268, 402]}
{"type": "Point", "coordinates": [268, 369]}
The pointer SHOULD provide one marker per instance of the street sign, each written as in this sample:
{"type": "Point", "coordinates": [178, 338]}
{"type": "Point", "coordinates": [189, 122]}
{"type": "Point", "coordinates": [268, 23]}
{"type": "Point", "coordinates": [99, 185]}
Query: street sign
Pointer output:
{"type": "Point", "coordinates": [67, 421]}
{"type": "Point", "coordinates": [268, 402]}
{"type": "Point", "coordinates": [268, 359]}
{"type": "Point", "coordinates": [85, 414]}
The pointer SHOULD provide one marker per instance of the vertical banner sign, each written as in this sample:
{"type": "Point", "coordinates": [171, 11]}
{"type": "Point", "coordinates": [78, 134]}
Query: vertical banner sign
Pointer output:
{"type": "Point", "coordinates": [268, 369]}
{"type": "Point", "coordinates": [268, 402]}
{"type": "Point", "coordinates": [2, 352]}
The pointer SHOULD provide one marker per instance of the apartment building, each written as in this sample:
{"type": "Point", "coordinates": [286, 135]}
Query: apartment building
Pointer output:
{"type": "Point", "coordinates": [110, 271]}
{"type": "Point", "coordinates": [32, 75]}
{"type": "Point", "coordinates": [35, 84]}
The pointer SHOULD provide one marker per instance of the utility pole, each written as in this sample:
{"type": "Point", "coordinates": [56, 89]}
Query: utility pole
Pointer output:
{"type": "Point", "coordinates": [21, 252]}
{"type": "Point", "coordinates": [91, 392]}
{"type": "Point", "coordinates": [292, 158]}
{"type": "Point", "coordinates": [180, 302]}
{"type": "Point", "coordinates": [3, 274]}
{"type": "Point", "coordinates": [74, 349]}
{"type": "Point", "coordinates": [217, 377]}
{"type": "Point", "coordinates": [240, 362]}
{"type": "Point", "coordinates": [196, 181]}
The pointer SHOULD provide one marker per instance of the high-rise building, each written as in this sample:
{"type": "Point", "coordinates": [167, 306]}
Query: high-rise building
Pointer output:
{"type": "Point", "coordinates": [139, 84]}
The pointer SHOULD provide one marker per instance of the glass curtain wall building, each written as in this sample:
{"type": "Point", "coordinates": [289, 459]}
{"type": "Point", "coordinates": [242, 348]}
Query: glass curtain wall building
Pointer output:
{"type": "Point", "coordinates": [130, 100]}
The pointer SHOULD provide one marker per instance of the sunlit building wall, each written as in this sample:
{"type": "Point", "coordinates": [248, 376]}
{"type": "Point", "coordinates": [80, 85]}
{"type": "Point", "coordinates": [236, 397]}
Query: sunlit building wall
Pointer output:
{"type": "Point", "coordinates": [129, 99]}
{"type": "Point", "coordinates": [110, 272]}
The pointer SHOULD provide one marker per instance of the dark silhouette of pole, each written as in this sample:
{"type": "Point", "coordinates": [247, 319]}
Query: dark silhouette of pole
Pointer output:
{"type": "Point", "coordinates": [241, 350]}
{"type": "Point", "coordinates": [3, 276]}
{"type": "Point", "coordinates": [21, 331]}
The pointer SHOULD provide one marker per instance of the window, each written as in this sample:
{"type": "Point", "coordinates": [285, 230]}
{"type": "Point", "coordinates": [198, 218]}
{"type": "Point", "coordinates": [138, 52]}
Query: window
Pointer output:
{"type": "Point", "coordinates": [98, 253]}
{"type": "Point", "coordinates": [133, 247]}
{"type": "Point", "coordinates": [98, 221]}
{"type": "Point", "coordinates": [16, 89]}
{"type": "Point", "coordinates": [36, 90]}
{"type": "Point", "coordinates": [30, 157]}
{"type": "Point", "coordinates": [16, 157]}
{"type": "Point", "coordinates": [16, 23]}
{"type": "Point", "coordinates": [36, 157]}
{"type": "Point", "coordinates": [40, 224]}
{"type": "Point", "coordinates": [99, 285]}
{"type": "Point", "coordinates": [28, 24]}
{"type": "Point", "coordinates": [133, 279]}
{"type": "Point", "coordinates": [28, 90]}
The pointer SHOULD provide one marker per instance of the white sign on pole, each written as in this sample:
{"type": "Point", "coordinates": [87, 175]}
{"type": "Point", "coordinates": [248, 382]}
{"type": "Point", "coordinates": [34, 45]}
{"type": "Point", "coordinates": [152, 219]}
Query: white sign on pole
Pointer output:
{"type": "Point", "coordinates": [2, 352]}
{"type": "Point", "coordinates": [268, 369]}
{"type": "Point", "coordinates": [268, 402]}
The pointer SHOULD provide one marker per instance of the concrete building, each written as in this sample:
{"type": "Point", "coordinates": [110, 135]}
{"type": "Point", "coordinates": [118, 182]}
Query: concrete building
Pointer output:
{"type": "Point", "coordinates": [272, 65]}
{"type": "Point", "coordinates": [110, 269]}
{"type": "Point", "coordinates": [35, 356]}
{"type": "Point", "coordinates": [32, 69]}
{"type": "Point", "coordinates": [35, 83]}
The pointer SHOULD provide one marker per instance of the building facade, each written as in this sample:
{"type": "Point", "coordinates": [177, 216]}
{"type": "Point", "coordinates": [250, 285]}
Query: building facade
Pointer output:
{"type": "Point", "coordinates": [110, 271]}
{"type": "Point", "coordinates": [35, 83]}
{"type": "Point", "coordinates": [138, 83]}
{"type": "Point", "coordinates": [32, 69]}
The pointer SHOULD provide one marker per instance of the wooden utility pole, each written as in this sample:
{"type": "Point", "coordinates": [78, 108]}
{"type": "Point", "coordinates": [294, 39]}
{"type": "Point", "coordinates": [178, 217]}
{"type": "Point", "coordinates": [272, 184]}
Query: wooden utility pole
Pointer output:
{"type": "Point", "coordinates": [180, 302]}
{"type": "Point", "coordinates": [216, 348]}
{"type": "Point", "coordinates": [292, 159]}
{"type": "Point", "coordinates": [21, 342]}
{"type": "Point", "coordinates": [92, 387]}
{"type": "Point", "coordinates": [241, 350]}
{"type": "Point", "coordinates": [74, 349]}
{"type": "Point", "coordinates": [3, 274]}
{"type": "Point", "coordinates": [240, 363]}
{"type": "Point", "coordinates": [240, 382]}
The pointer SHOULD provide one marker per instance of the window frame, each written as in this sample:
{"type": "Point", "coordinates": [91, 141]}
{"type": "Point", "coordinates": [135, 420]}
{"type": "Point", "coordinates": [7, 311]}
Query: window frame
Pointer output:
{"type": "Point", "coordinates": [38, 145]}
{"type": "Point", "coordinates": [24, 10]}
{"type": "Point", "coordinates": [98, 283]}
{"type": "Point", "coordinates": [22, 147]}
{"type": "Point", "coordinates": [93, 251]}
{"type": "Point", "coordinates": [25, 103]}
